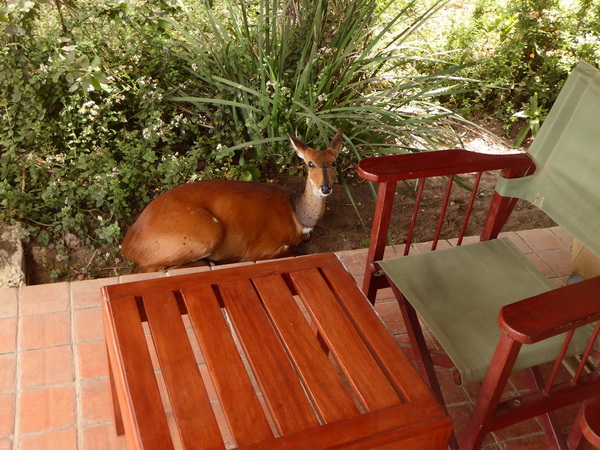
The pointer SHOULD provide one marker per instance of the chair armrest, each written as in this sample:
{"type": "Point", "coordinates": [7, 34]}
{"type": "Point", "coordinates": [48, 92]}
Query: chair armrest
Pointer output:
{"type": "Point", "coordinates": [552, 313]}
{"type": "Point", "coordinates": [437, 163]}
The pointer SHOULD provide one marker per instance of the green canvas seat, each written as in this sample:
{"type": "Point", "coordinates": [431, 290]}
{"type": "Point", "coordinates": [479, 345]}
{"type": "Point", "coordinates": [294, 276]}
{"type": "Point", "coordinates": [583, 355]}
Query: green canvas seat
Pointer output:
{"type": "Point", "coordinates": [471, 297]}
{"type": "Point", "coordinates": [459, 291]}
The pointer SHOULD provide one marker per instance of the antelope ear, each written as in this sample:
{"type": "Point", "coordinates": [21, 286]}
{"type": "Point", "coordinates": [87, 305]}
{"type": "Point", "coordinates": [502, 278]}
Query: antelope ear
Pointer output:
{"type": "Point", "coordinates": [298, 145]}
{"type": "Point", "coordinates": [336, 142]}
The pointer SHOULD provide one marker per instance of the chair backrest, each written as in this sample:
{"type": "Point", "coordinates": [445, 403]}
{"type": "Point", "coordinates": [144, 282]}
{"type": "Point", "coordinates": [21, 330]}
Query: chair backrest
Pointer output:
{"type": "Point", "coordinates": [566, 184]}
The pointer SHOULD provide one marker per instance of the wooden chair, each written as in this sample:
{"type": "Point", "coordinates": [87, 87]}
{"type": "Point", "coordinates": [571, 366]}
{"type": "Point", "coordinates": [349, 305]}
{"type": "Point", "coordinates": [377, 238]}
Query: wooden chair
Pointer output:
{"type": "Point", "coordinates": [490, 308]}
{"type": "Point", "coordinates": [590, 422]}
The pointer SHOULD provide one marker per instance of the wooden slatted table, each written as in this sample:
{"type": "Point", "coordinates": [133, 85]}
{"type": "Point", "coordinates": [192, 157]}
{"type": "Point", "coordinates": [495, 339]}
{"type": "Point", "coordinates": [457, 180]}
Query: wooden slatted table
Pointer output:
{"type": "Point", "coordinates": [281, 354]}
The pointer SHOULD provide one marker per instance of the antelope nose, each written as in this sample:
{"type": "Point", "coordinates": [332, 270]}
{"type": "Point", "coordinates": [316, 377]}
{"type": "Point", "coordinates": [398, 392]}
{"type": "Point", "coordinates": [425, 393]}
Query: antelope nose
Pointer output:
{"type": "Point", "coordinates": [326, 189]}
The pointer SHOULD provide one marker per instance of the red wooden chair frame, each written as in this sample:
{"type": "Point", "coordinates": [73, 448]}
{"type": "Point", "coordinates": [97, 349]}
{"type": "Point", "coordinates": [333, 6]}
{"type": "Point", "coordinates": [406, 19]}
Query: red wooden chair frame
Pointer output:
{"type": "Point", "coordinates": [521, 323]}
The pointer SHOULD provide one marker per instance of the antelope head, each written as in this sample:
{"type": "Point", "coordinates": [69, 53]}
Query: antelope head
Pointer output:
{"type": "Point", "coordinates": [321, 164]}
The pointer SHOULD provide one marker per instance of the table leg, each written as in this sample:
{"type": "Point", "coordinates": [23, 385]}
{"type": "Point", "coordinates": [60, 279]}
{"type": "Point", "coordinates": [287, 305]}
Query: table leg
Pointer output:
{"type": "Point", "coordinates": [115, 400]}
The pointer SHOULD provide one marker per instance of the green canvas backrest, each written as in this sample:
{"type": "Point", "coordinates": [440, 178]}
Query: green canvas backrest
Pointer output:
{"type": "Point", "coordinates": [566, 185]}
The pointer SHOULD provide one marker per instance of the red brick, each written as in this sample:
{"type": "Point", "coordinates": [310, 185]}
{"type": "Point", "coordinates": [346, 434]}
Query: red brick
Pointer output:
{"type": "Point", "coordinates": [47, 409]}
{"type": "Point", "coordinates": [7, 415]}
{"type": "Point", "coordinates": [8, 334]}
{"type": "Point", "coordinates": [46, 366]}
{"type": "Point", "coordinates": [541, 239]}
{"type": "Point", "coordinates": [8, 302]}
{"type": "Point", "coordinates": [8, 365]}
{"type": "Point", "coordinates": [60, 439]}
{"type": "Point", "coordinates": [86, 294]}
{"type": "Point", "coordinates": [559, 261]}
{"type": "Point", "coordinates": [88, 325]}
{"type": "Point", "coordinates": [96, 400]}
{"type": "Point", "coordinates": [44, 298]}
{"type": "Point", "coordinates": [45, 330]}
{"type": "Point", "coordinates": [517, 240]}
{"type": "Point", "coordinates": [103, 437]}
{"type": "Point", "coordinates": [92, 360]}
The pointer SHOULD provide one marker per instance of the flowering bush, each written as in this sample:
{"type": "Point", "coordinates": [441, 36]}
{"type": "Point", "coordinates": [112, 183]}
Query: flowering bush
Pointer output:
{"type": "Point", "coordinates": [523, 52]}
{"type": "Point", "coordinates": [104, 104]}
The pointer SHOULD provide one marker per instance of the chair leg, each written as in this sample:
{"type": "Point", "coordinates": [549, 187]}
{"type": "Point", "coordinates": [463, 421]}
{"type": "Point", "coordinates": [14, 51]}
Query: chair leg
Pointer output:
{"type": "Point", "coordinates": [418, 344]}
{"type": "Point", "coordinates": [575, 438]}
{"type": "Point", "coordinates": [491, 390]}
{"type": "Point", "coordinates": [549, 421]}
{"type": "Point", "coordinates": [421, 352]}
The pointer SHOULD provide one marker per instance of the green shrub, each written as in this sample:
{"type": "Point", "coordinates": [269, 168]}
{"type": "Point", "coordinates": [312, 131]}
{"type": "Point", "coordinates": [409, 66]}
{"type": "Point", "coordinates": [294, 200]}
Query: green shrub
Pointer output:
{"type": "Point", "coordinates": [267, 68]}
{"type": "Point", "coordinates": [103, 105]}
{"type": "Point", "coordinates": [523, 51]}
{"type": "Point", "coordinates": [85, 136]}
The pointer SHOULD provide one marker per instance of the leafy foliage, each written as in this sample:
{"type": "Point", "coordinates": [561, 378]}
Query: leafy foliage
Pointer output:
{"type": "Point", "coordinates": [85, 137]}
{"type": "Point", "coordinates": [267, 68]}
{"type": "Point", "coordinates": [523, 51]}
{"type": "Point", "coordinates": [104, 104]}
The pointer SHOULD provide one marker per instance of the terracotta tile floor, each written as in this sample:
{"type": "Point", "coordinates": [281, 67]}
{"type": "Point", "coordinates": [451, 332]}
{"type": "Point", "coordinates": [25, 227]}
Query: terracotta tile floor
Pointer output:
{"type": "Point", "coordinates": [54, 390]}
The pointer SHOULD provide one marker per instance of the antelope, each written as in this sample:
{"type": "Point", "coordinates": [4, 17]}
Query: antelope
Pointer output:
{"type": "Point", "coordinates": [223, 221]}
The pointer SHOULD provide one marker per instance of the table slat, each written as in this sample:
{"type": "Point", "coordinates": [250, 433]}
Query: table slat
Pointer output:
{"type": "Point", "coordinates": [374, 333]}
{"type": "Point", "coordinates": [281, 388]}
{"type": "Point", "coordinates": [364, 374]}
{"type": "Point", "coordinates": [242, 408]}
{"type": "Point", "coordinates": [410, 426]}
{"type": "Point", "coordinates": [320, 378]}
{"type": "Point", "coordinates": [186, 389]}
{"type": "Point", "coordinates": [134, 369]}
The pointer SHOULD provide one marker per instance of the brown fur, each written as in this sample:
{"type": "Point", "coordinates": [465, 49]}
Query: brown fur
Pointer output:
{"type": "Point", "coordinates": [229, 221]}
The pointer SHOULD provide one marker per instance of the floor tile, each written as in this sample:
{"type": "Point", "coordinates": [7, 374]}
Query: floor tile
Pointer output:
{"type": "Point", "coordinates": [529, 427]}
{"type": "Point", "coordinates": [8, 334]}
{"type": "Point", "coordinates": [541, 239]}
{"type": "Point", "coordinates": [354, 261]}
{"type": "Point", "coordinates": [538, 442]}
{"type": "Point", "coordinates": [45, 330]}
{"type": "Point", "coordinates": [46, 366]}
{"type": "Point", "coordinates": [563, 236]}
{"type": "Point", "coordinates": [8, 367]}
{"type": "Point", "coordinates": [47, 409]}
{"type": "Point", "coordinates": [96, 400]}
{"type": "Point", "coordinates": [6, 444]}
{"type": "Point", "coordinates": [88, 325]}
{"type": "Point", "coordinates": [140, 276]}
{"type": "Point", "coordinates": [92, 360]}
{"type": "Point", "coordinates": [8, 302]}
{"type": "Point", "coordinates": [517, 240]}
{"type": "Point", "coordinates": [390, 314]}
{"type": "Point", "coordinates": [558, 260]}
{"type": "Point", "coordinates": [466, 240]}
{"type": "Point", "coordinates": [460, 418]}
{"type": "Point", "coordinates": [453, 393]}
{"type": "Point", "coordinates": [7, 414]}
{"type": "Point", "coordinates": [103, 437]}
{"type": "Point", "coordinates": [86, 294]}
{"type": "Point", "coordinates": [43, 298]}
{"type": "Point", "coordinates": [186, 270]}
{"type": "Point", "coordinates": [426, 246]}
{"type": "Point", "coordinates": [541, 265]}
{"type": "Point", "coordinates": [61, 439]}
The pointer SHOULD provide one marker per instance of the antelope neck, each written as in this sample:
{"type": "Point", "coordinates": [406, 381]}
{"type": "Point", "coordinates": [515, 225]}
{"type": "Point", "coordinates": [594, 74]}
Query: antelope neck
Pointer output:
{"type": "Point", "coordinates": [309, 208]}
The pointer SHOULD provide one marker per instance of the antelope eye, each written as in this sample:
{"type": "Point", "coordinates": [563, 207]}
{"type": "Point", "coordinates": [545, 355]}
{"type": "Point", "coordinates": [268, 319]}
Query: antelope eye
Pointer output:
{"type": "Point", "coordinates": [311, 164]}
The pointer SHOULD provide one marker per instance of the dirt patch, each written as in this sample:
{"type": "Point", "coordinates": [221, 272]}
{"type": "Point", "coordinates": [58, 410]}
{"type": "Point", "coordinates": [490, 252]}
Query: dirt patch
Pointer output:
{"type": "Point", "coordinates": [347, 226]}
